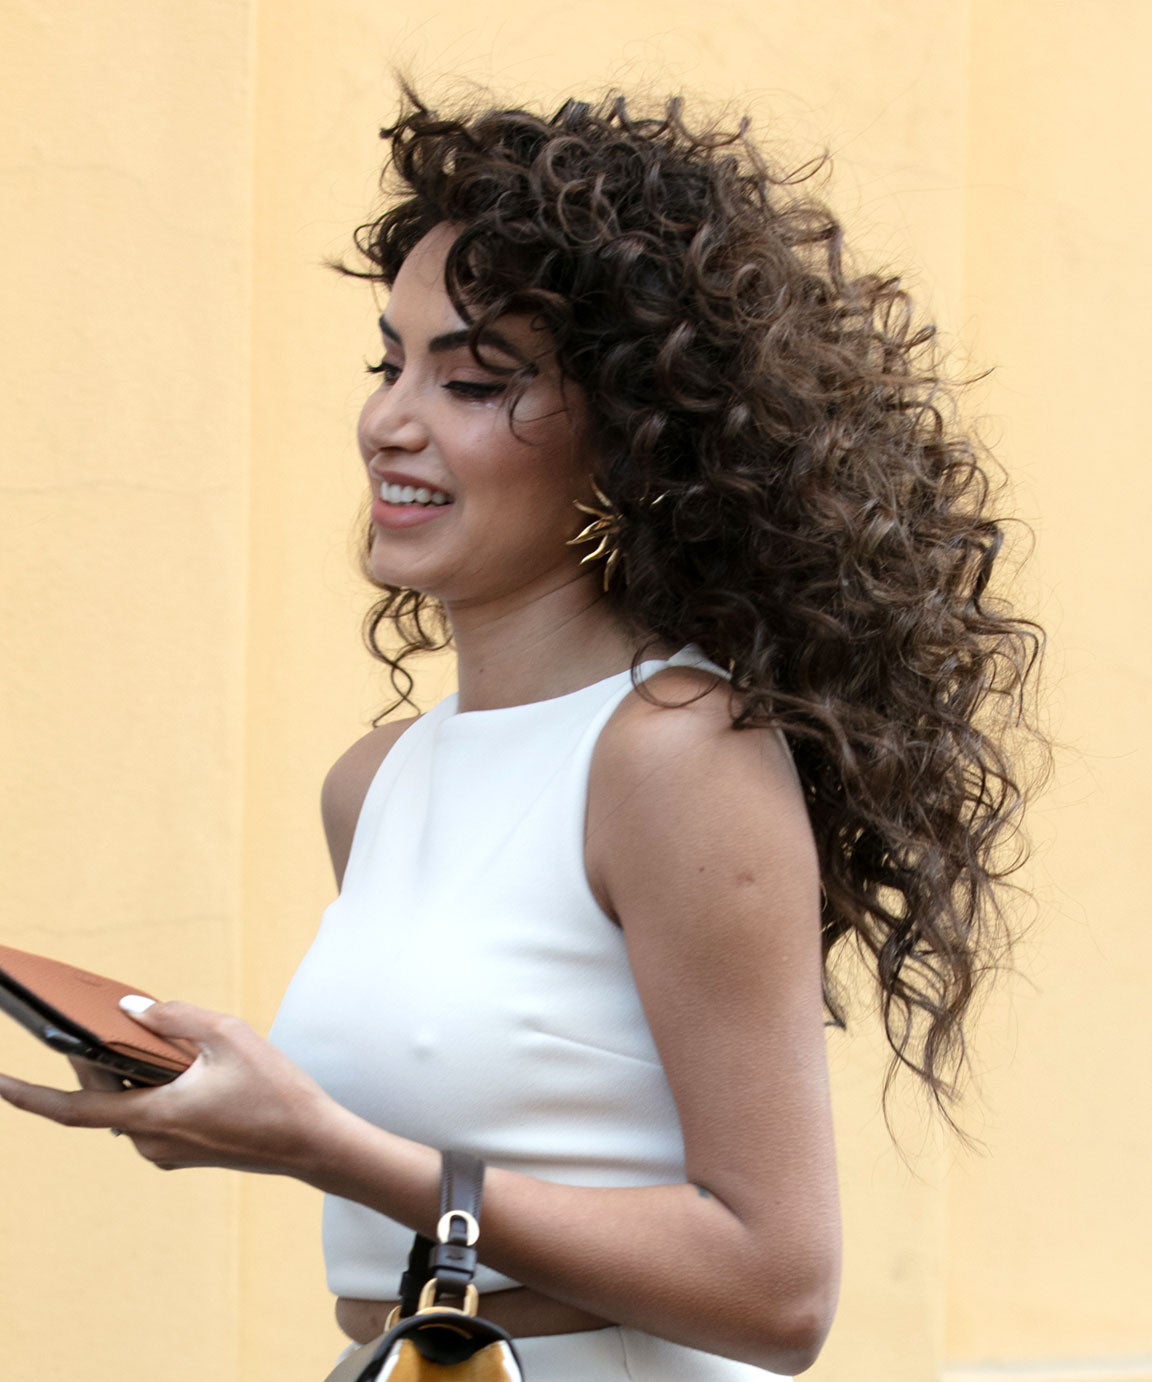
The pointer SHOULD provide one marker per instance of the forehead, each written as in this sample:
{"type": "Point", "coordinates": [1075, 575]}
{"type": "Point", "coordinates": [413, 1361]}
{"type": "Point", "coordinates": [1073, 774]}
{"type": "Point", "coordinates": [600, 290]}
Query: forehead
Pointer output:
{"type": "Point", "coordinates": [419, 293]}
{"type": "Point", "coordinates": [419, 307]}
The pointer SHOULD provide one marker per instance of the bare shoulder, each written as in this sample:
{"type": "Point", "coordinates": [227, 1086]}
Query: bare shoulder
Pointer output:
{"type": "Point", "coordinates": [674, 769]}
{"type": "Point", "coordinates": [347, 784]}
{"type": "Point", "coordinates": [678, 707]}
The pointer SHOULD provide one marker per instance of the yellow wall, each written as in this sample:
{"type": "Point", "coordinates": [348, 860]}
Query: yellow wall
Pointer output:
{"type": "Point", "coordinates": [1050, 1234]}
{"type": "Point", "coordinates": [180, 617]}
{"type": "Point", "coordinates": [126, 171]}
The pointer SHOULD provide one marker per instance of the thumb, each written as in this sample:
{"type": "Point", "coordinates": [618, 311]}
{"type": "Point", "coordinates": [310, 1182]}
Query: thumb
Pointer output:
{"type": "Point", "coordinates": [172, 1020]}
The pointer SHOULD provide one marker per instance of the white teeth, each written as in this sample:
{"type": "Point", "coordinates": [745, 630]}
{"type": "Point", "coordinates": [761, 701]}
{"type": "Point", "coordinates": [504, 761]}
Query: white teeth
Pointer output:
{"type": "Point", "coordinates": [410, 494]}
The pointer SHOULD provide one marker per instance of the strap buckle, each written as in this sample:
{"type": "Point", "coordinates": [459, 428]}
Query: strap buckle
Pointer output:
{"type": "Point", "coordinates": [444, 1232]}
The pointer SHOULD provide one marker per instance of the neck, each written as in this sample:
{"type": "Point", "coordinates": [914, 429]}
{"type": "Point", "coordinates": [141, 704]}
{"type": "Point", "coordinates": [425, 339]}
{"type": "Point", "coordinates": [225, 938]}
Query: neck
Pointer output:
{"type": "Point", "coordinates": [535, 647]}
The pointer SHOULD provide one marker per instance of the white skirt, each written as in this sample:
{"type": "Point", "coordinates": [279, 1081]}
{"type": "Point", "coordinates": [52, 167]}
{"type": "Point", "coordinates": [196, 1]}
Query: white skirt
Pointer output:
{"type": "Point", "coordinates": [598, 1355]}
{"type": "Point", "coordinates": [625, 1355]}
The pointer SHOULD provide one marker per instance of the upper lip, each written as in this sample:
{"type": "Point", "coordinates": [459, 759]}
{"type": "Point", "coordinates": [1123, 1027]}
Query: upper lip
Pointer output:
{"type": "Point", "coordinates": [399, 477]}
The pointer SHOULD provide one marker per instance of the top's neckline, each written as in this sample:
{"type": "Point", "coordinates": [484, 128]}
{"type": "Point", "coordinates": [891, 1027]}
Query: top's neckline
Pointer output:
{"type": "Point", "coordinates": [689, 655]}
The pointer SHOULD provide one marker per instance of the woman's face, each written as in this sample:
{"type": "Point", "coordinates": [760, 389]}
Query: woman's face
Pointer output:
{"type": "Point", "coordinates": [463, 507]}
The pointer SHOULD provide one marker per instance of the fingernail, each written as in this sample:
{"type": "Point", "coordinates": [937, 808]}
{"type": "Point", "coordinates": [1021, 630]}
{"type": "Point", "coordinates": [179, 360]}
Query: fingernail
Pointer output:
{"type": "Point", "coordinates": [135, 1003]}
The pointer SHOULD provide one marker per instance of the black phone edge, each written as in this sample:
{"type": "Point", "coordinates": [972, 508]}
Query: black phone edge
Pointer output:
{"type": "Point", "coordinates": [60, 1033]}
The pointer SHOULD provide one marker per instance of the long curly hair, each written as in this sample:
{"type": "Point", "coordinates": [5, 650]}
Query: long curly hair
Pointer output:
{"type": "Point", "coordinates": [793, 496]}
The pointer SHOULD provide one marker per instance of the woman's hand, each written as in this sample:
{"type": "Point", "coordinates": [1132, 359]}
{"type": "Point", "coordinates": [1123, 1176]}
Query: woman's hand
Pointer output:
{"type": "Point", "coordinates": [241, 1104]}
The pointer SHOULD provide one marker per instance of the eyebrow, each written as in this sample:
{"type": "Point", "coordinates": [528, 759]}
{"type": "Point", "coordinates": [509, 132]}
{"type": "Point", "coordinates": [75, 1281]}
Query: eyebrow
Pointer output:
{"type": "Point", "coordinates": [454, 340]}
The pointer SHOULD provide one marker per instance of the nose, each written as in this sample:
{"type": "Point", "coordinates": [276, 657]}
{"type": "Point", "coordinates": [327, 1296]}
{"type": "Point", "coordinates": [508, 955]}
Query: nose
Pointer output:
{"type": "Point", "coordinates": [390, 421]}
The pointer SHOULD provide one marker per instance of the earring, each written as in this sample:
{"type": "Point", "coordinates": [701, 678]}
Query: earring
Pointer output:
{"type": "Point", "coordinates": [604, 530]}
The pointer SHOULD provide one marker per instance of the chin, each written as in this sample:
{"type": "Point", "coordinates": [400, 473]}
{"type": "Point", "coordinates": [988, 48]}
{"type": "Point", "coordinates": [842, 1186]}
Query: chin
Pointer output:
{"type": "Point", "coordinates": [383, 571]}
{"type": "Point", "coordinates": [384, 565]}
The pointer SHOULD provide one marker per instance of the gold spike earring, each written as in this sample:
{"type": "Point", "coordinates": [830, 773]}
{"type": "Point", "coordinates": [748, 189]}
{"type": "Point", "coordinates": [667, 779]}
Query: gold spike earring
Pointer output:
{"type": "Point", "coordinates": [604, 530]}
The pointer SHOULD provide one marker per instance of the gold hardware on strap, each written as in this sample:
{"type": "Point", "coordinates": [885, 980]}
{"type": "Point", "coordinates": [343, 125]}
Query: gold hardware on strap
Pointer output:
{"type": "Point", "coordinates": [428, 1300]}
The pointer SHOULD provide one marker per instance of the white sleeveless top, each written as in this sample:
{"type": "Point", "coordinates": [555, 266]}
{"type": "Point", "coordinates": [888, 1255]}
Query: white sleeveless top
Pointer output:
{"type": "Point", "coordinates": [466, 989]}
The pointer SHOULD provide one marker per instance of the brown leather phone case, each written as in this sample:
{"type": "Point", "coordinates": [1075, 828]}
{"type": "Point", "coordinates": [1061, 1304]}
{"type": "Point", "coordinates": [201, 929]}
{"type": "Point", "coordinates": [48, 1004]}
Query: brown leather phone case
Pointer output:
{"type": "Point", "coordinates": [78, 1013]}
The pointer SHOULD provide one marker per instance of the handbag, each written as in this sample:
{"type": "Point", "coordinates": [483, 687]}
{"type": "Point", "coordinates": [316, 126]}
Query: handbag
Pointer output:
{"type": "Point", "coordinates": [428, 1340]}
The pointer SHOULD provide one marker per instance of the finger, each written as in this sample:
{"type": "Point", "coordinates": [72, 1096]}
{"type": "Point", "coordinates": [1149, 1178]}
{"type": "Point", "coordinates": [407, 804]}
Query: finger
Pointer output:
{"type": "Point", "coordinates": [182, 1021]}
{"type": "Point", "coordinates": [73, 1108]}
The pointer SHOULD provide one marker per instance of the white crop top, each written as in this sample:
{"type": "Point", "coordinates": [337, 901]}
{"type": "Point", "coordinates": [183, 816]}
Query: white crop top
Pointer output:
{"type": "Point", "coordinates": [466, 989]}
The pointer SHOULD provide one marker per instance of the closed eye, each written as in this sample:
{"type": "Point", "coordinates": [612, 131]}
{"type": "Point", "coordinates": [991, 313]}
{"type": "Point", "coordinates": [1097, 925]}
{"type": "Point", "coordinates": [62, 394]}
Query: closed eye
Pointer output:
{"type": "Point", "coordinates": [473, 389]}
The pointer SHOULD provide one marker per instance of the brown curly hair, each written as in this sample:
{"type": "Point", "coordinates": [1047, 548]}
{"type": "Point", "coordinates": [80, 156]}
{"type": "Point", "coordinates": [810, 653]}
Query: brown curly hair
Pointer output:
{"type": "Point", "coordinates": [793, 498]}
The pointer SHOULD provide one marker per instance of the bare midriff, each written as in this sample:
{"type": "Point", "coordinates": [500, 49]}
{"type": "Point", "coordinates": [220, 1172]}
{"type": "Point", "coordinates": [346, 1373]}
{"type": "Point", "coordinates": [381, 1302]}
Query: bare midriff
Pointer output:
{"type": "Point", "coordinates": [522, 1312]}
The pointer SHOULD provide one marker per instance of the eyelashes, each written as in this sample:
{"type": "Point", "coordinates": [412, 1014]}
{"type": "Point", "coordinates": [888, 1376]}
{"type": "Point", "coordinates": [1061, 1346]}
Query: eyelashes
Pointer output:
{"type": "Point", "coordinates": [466, 388]}
{"type": "Point", "coordinates": [469, 389]}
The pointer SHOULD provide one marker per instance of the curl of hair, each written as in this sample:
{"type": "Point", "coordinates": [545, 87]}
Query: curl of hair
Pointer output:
{"type": "Point", "coordinates": [792, 498]}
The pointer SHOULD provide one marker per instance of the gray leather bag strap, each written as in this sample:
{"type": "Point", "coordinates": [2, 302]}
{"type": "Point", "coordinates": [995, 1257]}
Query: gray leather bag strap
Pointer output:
{"type": "Point", "coordinates": [452, 1262]}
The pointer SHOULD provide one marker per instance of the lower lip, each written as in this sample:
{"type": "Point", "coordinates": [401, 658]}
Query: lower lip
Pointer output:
{"type": "Point", "coordinates": [385, 515]}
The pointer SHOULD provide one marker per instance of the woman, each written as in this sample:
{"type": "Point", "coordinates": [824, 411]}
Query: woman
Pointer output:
{"type": "Point", "coordinates": [679, 490]}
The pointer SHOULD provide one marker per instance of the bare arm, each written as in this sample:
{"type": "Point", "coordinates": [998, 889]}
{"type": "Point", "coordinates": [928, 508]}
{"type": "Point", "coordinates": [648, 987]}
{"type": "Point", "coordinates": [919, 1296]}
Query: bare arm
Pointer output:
{"type": "Point", "coordinates": [699, 844]}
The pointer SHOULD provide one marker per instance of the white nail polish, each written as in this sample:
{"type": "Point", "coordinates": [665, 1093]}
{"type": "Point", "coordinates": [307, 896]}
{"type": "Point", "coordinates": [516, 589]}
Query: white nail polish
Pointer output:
{"type": "Point", "coordinates": [136, 1003]}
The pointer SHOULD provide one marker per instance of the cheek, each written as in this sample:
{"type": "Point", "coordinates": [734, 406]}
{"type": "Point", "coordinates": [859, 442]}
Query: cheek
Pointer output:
{"type": "Point", "coordinates": [550, 458]}
{"type": "Point", "coordinates": [489, 456]}
{"type": "Point", "coordinates": [544, 485]}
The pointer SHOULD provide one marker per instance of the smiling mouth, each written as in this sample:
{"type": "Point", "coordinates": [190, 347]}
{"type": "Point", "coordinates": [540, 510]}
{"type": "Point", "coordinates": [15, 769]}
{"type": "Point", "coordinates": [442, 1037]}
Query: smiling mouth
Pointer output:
{"type": "Point", "coordinates": [414, 494]}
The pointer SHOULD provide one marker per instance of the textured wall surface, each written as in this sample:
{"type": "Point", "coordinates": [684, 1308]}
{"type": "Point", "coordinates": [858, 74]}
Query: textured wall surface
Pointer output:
{"type": "Point", "coordinates": [179, 647]}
